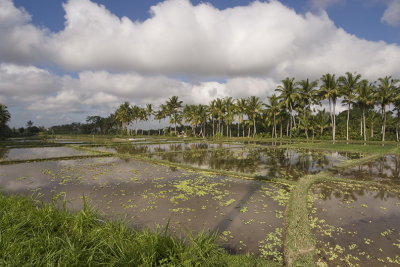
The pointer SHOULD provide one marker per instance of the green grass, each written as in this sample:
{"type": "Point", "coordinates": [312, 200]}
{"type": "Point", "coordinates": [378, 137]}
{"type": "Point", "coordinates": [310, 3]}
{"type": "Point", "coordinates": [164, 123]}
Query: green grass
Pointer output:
{"type": "Point", "coordinates": [351, 147]}
{"type": "Point", "coordinates": [39, 234]}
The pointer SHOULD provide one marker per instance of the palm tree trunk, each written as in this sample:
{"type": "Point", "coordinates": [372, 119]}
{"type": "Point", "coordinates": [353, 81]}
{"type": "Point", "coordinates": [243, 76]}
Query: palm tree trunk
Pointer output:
{"type": "Point", "coordinates": [384, 124]}
{"type": "Point", "coordinates": [361, 127]}
{"type": "Point", "coordinates": [281, 128]}
{"type": "Point", "coordinates": [334, 119]}
{"type": "Point", "coordinates": [397, 127]}
{"type": "Point", "coordinates": [274, 129]}
{"type": "Point", "coordinates": [238, 128]}
{"type": "Point", "coordinates": [255, 129]}
{"type": "Point", "coordinates": [287, 128]}
{"type": "Point", "coordinates": [365, 133]}
{"type": "Point", "coordinates": [347, 124]}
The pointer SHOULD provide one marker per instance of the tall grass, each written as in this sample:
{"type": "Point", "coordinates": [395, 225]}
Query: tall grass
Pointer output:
{"type": "Point", "coordinates": [43, 235]}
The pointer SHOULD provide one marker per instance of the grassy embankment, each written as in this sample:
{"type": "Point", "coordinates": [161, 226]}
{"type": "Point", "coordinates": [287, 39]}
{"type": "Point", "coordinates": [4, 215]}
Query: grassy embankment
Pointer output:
{"type": "Point", "coordinates": [37, 234]}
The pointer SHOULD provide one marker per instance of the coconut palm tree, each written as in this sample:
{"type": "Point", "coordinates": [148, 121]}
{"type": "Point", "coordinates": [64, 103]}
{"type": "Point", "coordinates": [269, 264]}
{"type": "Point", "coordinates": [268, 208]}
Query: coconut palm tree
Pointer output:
{"type": "Point", "coordinates": [149, 112]}
{"type": "Point", "coordinates": [136, 116]}
{"type": "Point", "coordinates": [321, 121]}
{"type": "Point", "coordinates": [124, 115]}
{"type": "Point", "coordinates": [212, 113]}
{"type": "Point", "coordinates": [202, 115]}
{"type": "Point", "coordinates": [273, 108]}
{"type": "Point", "coordinates": [4, 117]}
{"type": "Point", "coordinates": [365, 98]}
{"type": "Point", "coordinates": [308, 93]}
{"type": "Point", "coordinates": [289, 95]}
{"type": "Point", "coordinates": [330, 90]}
{"type": "Point", "coordinates": [348, 84]}
{"type": "Point", "coordinates": [384, 94]}
{"type": "Point", "coordinates": [174, 109]}
{"type": "Point", "coordinates": [229, 114]}
{"type": "Point", "coordinates": [241, 105]}
{"type": "Point", "coordinates": [254, 109]}
{"type": "Point", "coordinates": [396, 104]}
{"type": "Point", "coordinates": [159, 115]}
{"type": "Point", "coordinates": [220, 112]}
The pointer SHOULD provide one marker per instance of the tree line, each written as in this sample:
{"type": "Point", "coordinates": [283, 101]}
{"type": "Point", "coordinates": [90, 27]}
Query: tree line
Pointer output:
{"type": "Point", "coordinates": [293, 110]}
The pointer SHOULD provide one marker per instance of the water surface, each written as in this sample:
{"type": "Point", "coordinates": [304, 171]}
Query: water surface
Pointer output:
{"type": "Point", "coordinates": [39, 153]}
{"type": "Point", "coordinates": [356, 225]}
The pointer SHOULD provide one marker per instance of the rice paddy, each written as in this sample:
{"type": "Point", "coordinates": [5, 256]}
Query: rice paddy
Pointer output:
{"type": "Point", "coordinates": [250, 196]}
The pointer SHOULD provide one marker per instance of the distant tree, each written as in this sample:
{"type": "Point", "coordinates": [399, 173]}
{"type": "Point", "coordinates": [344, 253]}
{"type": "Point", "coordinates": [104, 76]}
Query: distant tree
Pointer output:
{"type": "Point", "coordinates": [365, 99]}
{"type": "Point", "coordinates": [330, 90]}
{"type": "Point", "coordinates": [174, 106]}
{"type": "Point", "coordinates": [348, 84]}
{"type": "Point", "coordinates": [254, 108]}
{"type": "Point", "coordinates": [4, 118]}
{"type": "Point", "coordinates": [124, 115]}
{"type": "Point", "coordinates": [289, 95]}
{"type": "Point", "coordinates": [384, 95]}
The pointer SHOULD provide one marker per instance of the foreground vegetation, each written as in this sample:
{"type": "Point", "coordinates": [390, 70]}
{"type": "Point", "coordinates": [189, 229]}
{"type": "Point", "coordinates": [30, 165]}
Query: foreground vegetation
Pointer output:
{"type": "Point", "coordinates": [38, 234]}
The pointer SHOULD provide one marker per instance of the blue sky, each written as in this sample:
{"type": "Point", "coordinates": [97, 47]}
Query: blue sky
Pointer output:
{"type": "Point", "coordinates": [61, 61]}
{"type": "Point", "coordinates": [359, 17]}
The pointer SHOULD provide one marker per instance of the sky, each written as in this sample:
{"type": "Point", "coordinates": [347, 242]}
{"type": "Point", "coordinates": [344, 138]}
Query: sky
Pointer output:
{"type": "Point", "coordinates": [61, 61]}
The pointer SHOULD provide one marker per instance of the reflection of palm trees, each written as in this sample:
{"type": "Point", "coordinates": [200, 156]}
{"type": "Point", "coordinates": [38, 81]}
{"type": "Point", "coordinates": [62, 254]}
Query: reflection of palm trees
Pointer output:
{"type": "Point", "coordinates": [132, 149]}
{"type": "Point", "coordinates": [3, 153]}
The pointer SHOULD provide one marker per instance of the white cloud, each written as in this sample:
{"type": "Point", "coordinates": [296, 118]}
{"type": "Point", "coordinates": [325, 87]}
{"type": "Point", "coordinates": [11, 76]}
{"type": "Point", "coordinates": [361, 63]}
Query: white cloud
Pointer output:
{"type": "Point", "coordinates": [392, 13]}
{"type": "Point", "coordinates": [250, 48]}
{"type": "Point", "coordinates": [25, 83]}
{"type": "Point", "coordinates": [20, 41]}
{"type": "Point", "coordinates": [264, 38]}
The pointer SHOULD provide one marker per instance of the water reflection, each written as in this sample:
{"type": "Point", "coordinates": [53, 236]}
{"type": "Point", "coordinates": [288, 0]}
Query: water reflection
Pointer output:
{"type": "Point", "coordinates": [385, 170]}
{"type": "Point", "coordinates": [39, 153]}
{"type": "Point", "coordinates": [170, 147]}
{"type": "Point", "coordinates": [267, 163]}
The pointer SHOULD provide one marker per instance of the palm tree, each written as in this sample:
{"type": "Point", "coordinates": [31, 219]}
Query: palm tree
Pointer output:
{"type": "Point", "coordinates": [202, 115]}
{"type": "Point", "coordinates": [321, 121]}
{"type": "Point", "coordinates": [306, 122]}
{"type": "Point", "coordinates": [348, 85]}
{"type": "Point", "coordinates": [384, 94]}
{"type": "Point", "coordinates": [149, 112]}
{"type": "Point", "coordinates": [396, 104]}
{"type": "Point", "coordinates": [189, 114]}
{"type": "Point", "coordinates": [331, 91]}
{"type": "Point", "coordinates": [220, 111]}
{"type": "Point", "coordinates": [229, 114]}
{"type": "Point", "coordinates": [124, 115]}
{"type": "Point", "coordinates": [364, 100]}
{"type": "Point", "coordinates": [136, 115]}
{"type": "Point", "coordinates": [212, 114]}
{"type": "Point", "coordinates": [273, 108]}
{"type": "Point", "coordinates": [289, 96]}
{"type": "Point", "coordinates": [254, 108]}
{"type": "Point", "coordinates": [174, 107]}
{"type": "Point", "coordinates": [159, 115]}
{"type": "Point", "coordinates": [241, 105]}
{"type": "Point", "coordinates": [4, 116]}
{"type": "Point", "coordinates": [308, 93]}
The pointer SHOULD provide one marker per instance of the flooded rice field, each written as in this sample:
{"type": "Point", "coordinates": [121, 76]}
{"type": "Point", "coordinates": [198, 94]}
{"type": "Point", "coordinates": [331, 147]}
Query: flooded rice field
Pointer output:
{"type": "Point", "coordinates": [383, 170]}
{"type": "Point", "coordinates": [248, 215]}
{"type": "Point", "coordinates": [9, 154]}
{"type": "Point", "coordinates": [356, 225]}
{"type": "Point", "coordinates": [264, 162]}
